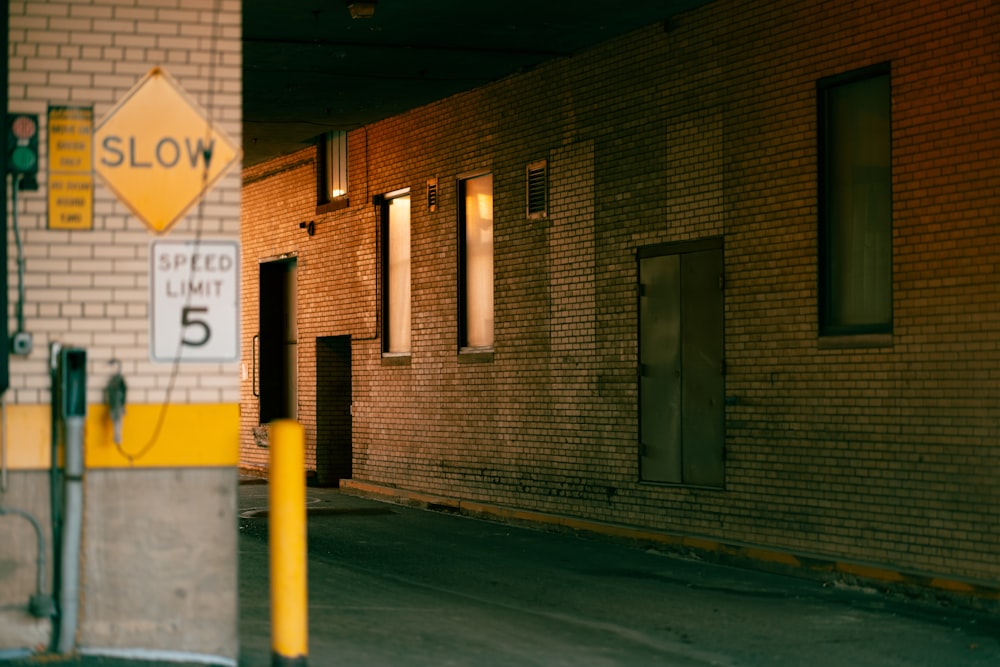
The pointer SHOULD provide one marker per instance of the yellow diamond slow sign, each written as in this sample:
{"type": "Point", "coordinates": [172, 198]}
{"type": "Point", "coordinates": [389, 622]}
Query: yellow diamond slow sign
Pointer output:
{"type": "Point", "coordinates": [158, 153]}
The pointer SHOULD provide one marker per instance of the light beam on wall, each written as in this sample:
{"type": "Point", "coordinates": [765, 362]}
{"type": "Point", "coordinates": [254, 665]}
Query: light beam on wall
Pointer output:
{"type": "Point", "coordinates": [361, 10]}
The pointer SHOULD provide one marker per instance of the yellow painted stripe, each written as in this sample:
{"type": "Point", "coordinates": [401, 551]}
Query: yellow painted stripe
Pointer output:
{"type": "Point", "coordinates": [771, 556]}
{"type": "Point", "coordinates": [870, 572]}
{"type": "Point", "coordinates": [28, 442]}
{"type": "Point", "coordinates": [191, 435]}
{"type": "Point", "coordinates": [196, 435]}
{"type": "Point", "coordinates": [953, 586]}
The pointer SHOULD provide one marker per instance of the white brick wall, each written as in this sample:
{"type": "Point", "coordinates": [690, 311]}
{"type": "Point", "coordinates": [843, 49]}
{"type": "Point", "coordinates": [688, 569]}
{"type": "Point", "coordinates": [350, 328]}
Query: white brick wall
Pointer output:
{"type": "Point", "coordinates": [90, 288]}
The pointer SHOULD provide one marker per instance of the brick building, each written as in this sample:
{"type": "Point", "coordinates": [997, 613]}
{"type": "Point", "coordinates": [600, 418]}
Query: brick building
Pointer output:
{"type": "Point", "coordinates": [729, 279]}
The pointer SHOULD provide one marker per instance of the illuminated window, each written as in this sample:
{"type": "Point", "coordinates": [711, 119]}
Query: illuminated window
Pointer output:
{"type": "Point", "coordinates": [396, 273]}
{"type": "Point", "coordinates": [855, 203]}
{"type": "Point", "coordinates": [331, 170]}
{"type": "Point", "coordinates": [475, 282]}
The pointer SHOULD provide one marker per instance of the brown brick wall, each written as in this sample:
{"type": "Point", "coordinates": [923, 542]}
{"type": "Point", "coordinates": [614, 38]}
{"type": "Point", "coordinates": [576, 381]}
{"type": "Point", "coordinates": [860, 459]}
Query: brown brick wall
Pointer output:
{"type": "Point", "coordinates": [707, 128]}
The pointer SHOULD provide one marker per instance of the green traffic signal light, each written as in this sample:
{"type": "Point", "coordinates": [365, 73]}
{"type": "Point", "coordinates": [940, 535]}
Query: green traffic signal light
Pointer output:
{"type": "Point", "coordinates": [22, 143]}
{"type": "Point", "coordinates": [23, 160]}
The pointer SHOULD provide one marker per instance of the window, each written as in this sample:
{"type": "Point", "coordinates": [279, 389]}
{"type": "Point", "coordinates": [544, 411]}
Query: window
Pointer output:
{"type": "Point", "coordinates": [475, 281]}
{"type": "Point", "coordinates": [855, 203]}
{"type": "Point", "coordinates": [396, 273]}
{"type": "Point", "coordinates": [331, 171]}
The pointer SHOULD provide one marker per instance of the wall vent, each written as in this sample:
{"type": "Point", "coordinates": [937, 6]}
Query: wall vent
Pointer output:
{"type": "Point", "coordinates": [537, 189]}
{"type": "Point", "coordinates": [432, 194]}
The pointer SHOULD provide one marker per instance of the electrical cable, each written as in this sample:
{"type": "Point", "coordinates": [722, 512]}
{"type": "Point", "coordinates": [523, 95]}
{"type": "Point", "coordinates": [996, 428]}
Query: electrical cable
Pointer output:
{"type": "Point", "coordinates": [40, 604]}
{"type": "Point", "coordinates": [19, 308]}
{"type": "Point", "coordinates": [199, 218]}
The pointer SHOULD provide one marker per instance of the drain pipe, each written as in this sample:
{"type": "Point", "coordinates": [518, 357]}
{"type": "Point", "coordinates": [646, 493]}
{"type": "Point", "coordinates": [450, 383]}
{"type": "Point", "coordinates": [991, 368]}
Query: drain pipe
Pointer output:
{"type": "Point", "coordinates": [73, 385]}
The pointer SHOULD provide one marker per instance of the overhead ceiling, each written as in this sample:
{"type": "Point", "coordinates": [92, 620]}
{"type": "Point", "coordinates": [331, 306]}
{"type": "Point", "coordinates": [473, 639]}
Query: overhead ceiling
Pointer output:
{"type": "Point", "coordinates": [308, 67]}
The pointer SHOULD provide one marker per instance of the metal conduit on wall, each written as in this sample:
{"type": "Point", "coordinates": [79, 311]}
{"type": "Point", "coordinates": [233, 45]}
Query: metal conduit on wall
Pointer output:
{"type": "Point", "coordinates": [40, 604]}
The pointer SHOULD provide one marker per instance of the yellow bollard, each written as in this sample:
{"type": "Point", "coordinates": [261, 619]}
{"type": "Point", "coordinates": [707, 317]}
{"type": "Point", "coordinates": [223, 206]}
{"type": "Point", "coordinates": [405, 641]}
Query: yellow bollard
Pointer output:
{"type": "Point", "coordinates": [287, 545]}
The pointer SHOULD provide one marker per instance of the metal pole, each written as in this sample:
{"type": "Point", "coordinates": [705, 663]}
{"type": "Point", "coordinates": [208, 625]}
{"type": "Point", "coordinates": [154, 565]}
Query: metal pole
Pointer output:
{"type": "Point", "coordinates": [287, 545]}
{"type": "Point", "coordinates": [69, 595]}
{"type": "Point", "coordinates": [72, 387]}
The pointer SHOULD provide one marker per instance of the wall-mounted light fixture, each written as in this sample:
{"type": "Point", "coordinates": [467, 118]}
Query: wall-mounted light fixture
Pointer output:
{"type": "Point", "coordinates": [361, 9]}
{"type": "Point", "coordinates": [310, 227]}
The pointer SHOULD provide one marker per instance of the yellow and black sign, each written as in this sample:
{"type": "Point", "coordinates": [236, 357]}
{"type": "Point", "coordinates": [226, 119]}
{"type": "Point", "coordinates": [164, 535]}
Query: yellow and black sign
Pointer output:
{"type": "Point", "coordinates": [71, 181]}
{"type": "Point", "coordinates": [159, 153]}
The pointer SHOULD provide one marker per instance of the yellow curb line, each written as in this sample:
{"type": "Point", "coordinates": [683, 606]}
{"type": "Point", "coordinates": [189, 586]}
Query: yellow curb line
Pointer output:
{"type": "Point", "coordinates": [746, 553]}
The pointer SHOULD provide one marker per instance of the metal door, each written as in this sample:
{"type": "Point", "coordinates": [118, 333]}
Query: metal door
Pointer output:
{"type": "Point", "coordinates": [333, 410]}
{"type": "Point", "coordinates": [681, 383]}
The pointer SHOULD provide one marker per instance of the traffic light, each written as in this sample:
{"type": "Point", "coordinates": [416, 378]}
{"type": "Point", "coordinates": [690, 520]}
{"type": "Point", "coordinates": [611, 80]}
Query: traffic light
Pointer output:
{"type": "Point", "coordinates": [22, 143]}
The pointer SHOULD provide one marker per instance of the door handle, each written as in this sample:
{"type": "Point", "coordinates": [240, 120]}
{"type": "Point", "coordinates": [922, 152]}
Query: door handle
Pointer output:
{"type": "Point", "coordinates": [253, 366]}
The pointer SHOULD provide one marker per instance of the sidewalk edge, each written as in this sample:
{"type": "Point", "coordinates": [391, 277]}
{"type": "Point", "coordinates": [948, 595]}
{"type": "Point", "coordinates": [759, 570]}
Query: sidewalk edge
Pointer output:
{"type": "Point", "coordinates": [977, 595]}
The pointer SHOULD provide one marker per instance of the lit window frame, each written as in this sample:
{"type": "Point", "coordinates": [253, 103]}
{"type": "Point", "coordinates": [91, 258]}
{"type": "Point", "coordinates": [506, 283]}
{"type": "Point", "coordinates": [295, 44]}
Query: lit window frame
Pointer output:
{"type": "Point", "coordinates": [332, 182]}
{"type": "Point", "coordinates": [390, 347]}
{"type": "Point", "coordinates": [467, 342]}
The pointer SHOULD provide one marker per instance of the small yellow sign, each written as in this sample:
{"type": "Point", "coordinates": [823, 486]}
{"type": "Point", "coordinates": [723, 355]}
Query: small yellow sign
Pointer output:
{"type": "Point", "coordinates": [159, 154]}
{"type": "Point", "coordinates": [71, 182]}
{"type": "Point", "coordinates": [71, 201]}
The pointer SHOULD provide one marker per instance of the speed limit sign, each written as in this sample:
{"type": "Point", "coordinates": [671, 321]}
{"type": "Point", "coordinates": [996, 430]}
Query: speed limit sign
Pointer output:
{"type": "Point", "coordinates": [194, 301]}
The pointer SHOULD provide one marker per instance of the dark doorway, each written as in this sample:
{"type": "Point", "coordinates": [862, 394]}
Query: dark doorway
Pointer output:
{"type": "Point", "coordinates": [681, 390]}
{"type": "Point", "coordinates": [333, 410]}
{"type": "Point", "coordinates": [278, 341]}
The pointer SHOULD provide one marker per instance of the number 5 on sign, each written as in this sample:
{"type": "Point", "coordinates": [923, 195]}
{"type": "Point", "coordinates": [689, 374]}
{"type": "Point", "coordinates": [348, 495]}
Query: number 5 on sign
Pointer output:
{"type": "Point", "coordinates": [194, 301]}
{"type": "Point", "coordinates": [187, 320]}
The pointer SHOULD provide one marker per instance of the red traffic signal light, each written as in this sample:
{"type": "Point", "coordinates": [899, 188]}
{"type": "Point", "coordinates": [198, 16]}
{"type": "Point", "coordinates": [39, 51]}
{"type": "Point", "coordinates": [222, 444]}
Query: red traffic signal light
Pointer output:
{"type": "Point", "coordinates": [22, 143]}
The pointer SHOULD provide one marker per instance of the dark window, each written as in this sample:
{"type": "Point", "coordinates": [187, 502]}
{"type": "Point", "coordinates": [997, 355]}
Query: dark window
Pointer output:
{"type": "Point", "coordinates": [855, 203]}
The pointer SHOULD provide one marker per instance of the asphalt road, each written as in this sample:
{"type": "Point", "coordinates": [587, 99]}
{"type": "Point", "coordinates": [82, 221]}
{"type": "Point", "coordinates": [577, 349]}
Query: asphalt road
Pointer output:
{"type": "Point", "coordinates": [397, 586]}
